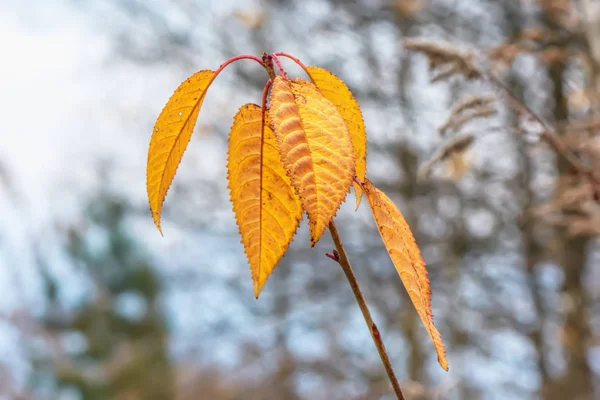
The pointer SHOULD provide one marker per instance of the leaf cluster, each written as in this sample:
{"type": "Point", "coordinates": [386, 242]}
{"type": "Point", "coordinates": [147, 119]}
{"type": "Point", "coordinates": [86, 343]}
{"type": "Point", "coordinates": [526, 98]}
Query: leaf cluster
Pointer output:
{"type": "Point", "coordinates": [298, 152]}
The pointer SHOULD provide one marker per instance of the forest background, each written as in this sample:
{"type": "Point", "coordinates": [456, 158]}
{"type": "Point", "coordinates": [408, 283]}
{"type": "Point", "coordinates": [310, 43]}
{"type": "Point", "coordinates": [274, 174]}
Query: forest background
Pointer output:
{"type": "Point", "coordinates": [96, 304]}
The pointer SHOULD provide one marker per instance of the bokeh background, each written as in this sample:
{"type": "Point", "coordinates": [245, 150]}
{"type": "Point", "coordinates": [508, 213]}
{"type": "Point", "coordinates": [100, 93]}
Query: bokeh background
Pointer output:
{"type": "Point", "coordinates": [95, 304]}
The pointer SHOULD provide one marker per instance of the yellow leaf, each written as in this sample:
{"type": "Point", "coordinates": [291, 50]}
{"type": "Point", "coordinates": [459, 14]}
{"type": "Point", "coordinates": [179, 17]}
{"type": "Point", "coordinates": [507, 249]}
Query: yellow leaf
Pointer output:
{"type": "Point", "coordinates": [404, 252]}
{"type": "Point", "coordinates": [170, 137]}
{"type": "Point", "coordinates": [336, 91]}
{"type": "Point", "coordinates": [315, 147]}
{"type": "Point", "coordinates": [266, 208]}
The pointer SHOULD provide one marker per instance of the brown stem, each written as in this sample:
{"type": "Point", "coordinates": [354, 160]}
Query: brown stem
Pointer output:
{"type": "Point", "coordinates": [342, 258]}
{"type": "Point", "coordinates": [548, 134]}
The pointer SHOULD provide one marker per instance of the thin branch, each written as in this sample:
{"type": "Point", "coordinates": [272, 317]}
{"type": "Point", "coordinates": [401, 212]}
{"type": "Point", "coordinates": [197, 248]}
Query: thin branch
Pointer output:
{"type": "Point", "coordinates": [548, 134]}
{"type": "Point", "coordinates": [464, 63]}
{"type": "Point", "coordinates": [341, 257]}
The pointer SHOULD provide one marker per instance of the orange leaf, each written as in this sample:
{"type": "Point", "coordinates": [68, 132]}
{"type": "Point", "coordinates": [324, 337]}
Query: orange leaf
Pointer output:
{"type": "Point", "coordinates": [315, 147]}
{"type": "Point", "coordinates": [335, 90]}
{"type": "Point", "coordinates": [170, 137]}
{"type": "Point", "coordinates": [405, 255]}
{"type": "Point", "coordinates": [266, 208]}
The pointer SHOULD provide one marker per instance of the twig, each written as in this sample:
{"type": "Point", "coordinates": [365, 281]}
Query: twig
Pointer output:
{"type": "Point", "coordinates": [339, 255]}
{"type": "Point", "coordinates": [548, 134]}
{"type": "Point", "coordinates": [464, 63]}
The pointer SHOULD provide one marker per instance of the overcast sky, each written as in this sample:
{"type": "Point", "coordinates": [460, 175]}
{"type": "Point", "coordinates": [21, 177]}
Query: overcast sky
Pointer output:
{"type": "Point", "coordinates": [62, 104]}
{"type": "Point", "coordinates": [65, 101]}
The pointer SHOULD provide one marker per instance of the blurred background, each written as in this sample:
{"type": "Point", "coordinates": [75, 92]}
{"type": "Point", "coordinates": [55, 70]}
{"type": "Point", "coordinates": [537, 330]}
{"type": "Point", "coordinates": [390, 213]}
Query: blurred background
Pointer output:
{"type": "Point", "coordinates": [95, 304]}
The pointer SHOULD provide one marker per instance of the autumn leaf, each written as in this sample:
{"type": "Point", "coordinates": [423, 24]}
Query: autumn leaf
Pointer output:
{"type": "Point", "coordinates": [404, 252]}
{"type": "Point", "coordinates": [266, 207]}
{"type": "Point", "coordinates": [336, 91]}
{"type": "Point", "coordinates": [315, 147]}
{"type": "Point", "coordinates": [170, 137]}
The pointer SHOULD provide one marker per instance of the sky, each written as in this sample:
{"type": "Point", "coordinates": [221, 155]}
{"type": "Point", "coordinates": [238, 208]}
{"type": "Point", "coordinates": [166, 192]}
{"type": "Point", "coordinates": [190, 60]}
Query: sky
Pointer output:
{"type": "Point", "coordinates": [39, 98]}
{"type": "Point", "coordinates": [40, 95]}
{"type": "Point", "coordinates": [55, 114]}
{"type": "Point", "coordinates": [66, 102]}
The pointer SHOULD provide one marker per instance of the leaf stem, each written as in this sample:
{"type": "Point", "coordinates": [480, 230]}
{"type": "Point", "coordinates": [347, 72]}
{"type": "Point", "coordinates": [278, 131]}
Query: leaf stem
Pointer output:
{"type": "Point", "coordinates": [294, 59]}
{"type": "Point", "coordinates": [236, 58]}
{"type": "Point", "coordinates": [278, 63]}
{"type": "Point", "coordinates": [264, 96]}
{"type": "Point", "coordinates": [341, 257]}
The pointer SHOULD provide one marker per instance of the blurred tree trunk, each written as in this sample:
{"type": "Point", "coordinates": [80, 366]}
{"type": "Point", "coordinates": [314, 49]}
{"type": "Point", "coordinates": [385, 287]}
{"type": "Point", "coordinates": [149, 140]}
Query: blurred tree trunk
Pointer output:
{"type": "Point", "coordinates": [532, 251]}
{"type": "Point", "coordinates": [592, 37]}
{"type": "Point", "coordinates": [576, 383]}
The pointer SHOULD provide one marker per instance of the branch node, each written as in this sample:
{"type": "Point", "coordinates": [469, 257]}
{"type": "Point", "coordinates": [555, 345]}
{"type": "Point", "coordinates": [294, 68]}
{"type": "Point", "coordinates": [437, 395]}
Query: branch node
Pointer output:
{"type": "Point", "coordinates": [375, 330]}
{"type": "Point", "coordinates": [334, 256]}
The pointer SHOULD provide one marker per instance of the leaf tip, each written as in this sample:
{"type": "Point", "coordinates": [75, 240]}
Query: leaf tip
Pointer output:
{"type": "Point", "coordinates": [257, 288]}
{"type": "Point", "coordinates": [156, 218]}
{"type": "Point", "coordinates": [443, 363]}
{"type": "Point", "coordinates": [441, 357]}
{"type": "Point", "coordinates": [317, 229]}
